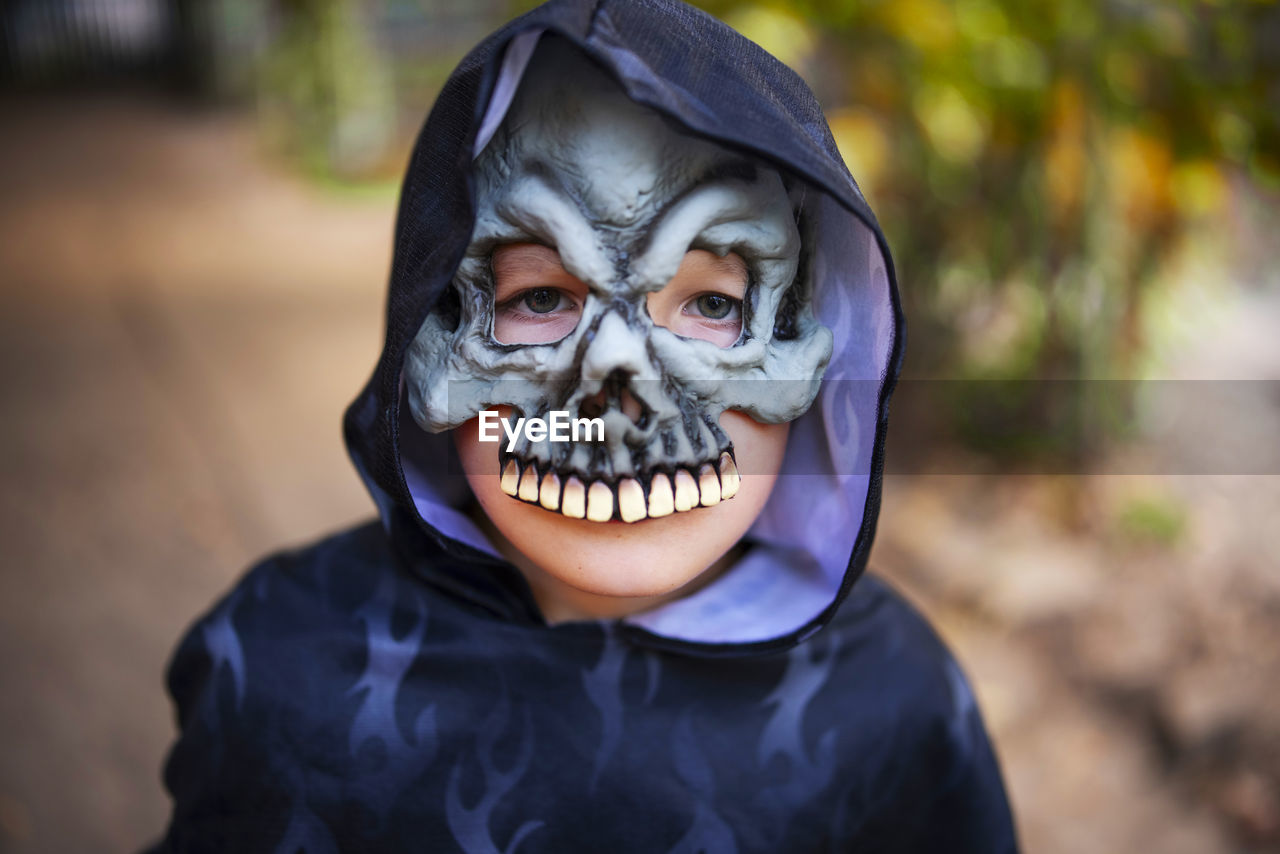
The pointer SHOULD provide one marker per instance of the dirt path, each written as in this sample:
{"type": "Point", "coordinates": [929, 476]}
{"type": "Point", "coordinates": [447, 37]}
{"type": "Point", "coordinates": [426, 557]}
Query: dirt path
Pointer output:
{"type": "Point", "coordinates": [180, 329]}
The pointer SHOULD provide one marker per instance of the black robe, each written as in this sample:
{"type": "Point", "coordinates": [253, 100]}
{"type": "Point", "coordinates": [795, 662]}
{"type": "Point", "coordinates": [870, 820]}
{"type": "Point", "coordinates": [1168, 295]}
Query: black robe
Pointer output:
{"type": "Point", "coordinates": [395, 687]}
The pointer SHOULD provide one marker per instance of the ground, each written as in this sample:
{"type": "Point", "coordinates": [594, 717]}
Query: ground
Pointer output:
{"type": "Point", "coordinates": [182, 322]}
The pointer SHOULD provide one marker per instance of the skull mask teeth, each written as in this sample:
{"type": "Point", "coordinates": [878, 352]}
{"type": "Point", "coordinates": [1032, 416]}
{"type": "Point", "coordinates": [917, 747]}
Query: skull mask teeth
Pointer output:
{"type": "Point", "coordinates": [622, 196]}
{"type": "Point", "coordinates": [629, 499]}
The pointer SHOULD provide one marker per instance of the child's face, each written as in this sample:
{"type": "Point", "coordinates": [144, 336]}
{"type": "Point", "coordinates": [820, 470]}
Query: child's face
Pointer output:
{"type": "Point", "coordinates": [647, 282]}
{"type": "Point", "coordinates": [583, 568]}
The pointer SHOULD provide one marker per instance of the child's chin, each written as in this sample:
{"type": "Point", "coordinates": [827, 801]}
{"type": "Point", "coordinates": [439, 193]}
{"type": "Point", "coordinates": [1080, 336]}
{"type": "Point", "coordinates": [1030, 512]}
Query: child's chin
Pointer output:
{"type": "Point", "coordinates": [625, 579]}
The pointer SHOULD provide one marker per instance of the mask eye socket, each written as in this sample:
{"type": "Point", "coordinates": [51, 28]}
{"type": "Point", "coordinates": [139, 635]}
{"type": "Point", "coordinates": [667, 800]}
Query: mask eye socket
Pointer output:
{"type": "Point", "coordinates": [536, 300]}
{"type": "Point", "coordinates": [704, 298]}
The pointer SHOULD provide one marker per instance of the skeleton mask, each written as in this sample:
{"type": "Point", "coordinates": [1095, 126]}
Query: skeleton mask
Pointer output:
{"type": "Point", "coordinates": [622, 195]}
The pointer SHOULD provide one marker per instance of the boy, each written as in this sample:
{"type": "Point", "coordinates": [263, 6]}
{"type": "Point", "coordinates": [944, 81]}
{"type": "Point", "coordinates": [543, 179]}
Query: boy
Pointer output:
{"type": "Point", "coordinates": [621, 218]}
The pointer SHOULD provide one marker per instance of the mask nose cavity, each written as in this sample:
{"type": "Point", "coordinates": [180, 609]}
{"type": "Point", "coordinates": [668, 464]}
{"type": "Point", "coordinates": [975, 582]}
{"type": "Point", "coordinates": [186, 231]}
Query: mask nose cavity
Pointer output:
{"type": "Point", "coordinates": [616, 395]}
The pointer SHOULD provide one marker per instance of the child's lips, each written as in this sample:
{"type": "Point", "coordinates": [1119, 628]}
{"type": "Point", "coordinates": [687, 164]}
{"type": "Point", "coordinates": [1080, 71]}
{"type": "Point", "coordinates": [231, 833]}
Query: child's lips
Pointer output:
{"type": "Point", "coordinates": [628, 499]}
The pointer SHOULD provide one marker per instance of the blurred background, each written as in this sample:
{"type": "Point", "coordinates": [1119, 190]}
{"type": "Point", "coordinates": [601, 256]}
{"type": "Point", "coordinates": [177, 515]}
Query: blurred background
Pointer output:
{"type": "Point", "coordinates": [196, 204]}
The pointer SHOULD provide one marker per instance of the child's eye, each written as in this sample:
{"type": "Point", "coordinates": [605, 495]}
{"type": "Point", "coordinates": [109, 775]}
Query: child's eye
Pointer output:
{"type": "Point", "coordinates": [714, 306]}
{"type": "Point", "coordinates": [542, 300]}
{"type": "Point", "coordinates": [704, 298]}
{"type": "Point", "coordinates": [538, 301]}
{"type": "Point", "coordinates": [539, 315]}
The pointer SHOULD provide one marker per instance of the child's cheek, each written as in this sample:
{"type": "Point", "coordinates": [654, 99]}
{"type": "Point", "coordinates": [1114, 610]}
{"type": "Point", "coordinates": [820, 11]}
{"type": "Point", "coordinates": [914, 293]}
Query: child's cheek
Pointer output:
{"type": "Point", "coordinates": [758, 448]}
{"type": "Point", "coordinates": [479, 458]}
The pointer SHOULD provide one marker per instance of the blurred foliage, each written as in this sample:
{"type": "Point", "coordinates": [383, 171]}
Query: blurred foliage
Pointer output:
{"type": "Point", "coordinates": [1033, 162]}
{"type": "Point", "coordinates": [324, 91]}
{"type": "Point", "coordinates": [343, 84]}
{"type": "Point", "coordinates": [1157, 521]}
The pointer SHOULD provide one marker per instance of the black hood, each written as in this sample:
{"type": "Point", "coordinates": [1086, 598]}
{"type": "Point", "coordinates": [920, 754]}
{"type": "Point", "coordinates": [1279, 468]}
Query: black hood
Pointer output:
{"type": "Point", "coordinates": [814, 536]}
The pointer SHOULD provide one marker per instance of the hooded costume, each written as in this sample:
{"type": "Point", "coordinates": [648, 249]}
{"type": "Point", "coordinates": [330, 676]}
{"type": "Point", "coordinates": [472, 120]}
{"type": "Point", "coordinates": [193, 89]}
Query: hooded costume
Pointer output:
{"type": "Point", "coordinates": [396, 688]}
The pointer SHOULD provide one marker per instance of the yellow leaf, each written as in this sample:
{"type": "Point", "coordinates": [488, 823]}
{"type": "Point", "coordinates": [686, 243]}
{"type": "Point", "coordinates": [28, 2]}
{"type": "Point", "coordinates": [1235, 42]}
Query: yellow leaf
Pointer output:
{"type": "Point", "coordinates": [928, 24]}
{"type": "Point", "coordinates": [785, 36]}
{"type": "Point", "coordinates": [955, 128]}
{"type": "Point", "coordinates": [1139, 166]}
{"type": "Point", "coordinates": [1199, 188]}
{"type": "Point", "coordinates": [863, 144]}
